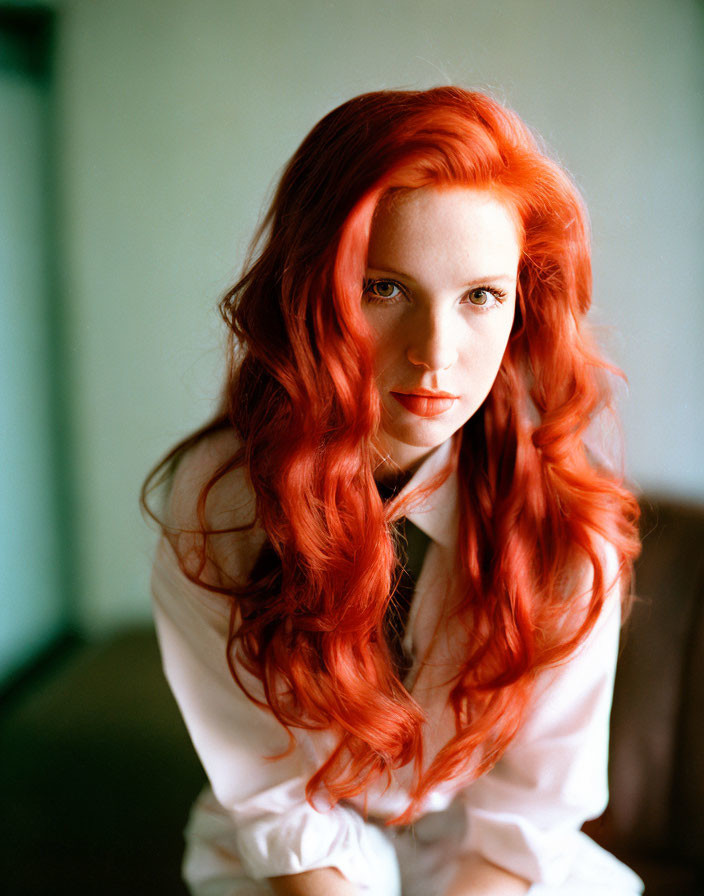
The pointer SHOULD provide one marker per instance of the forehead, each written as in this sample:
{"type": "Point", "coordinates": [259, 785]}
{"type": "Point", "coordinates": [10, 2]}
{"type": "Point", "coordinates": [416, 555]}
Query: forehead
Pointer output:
{"type": "Point", "coordinates": [462, 230]}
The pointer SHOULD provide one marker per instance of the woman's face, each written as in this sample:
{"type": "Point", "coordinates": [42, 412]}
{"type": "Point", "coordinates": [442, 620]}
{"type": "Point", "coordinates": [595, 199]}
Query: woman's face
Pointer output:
{"type": "Point", "coordinates": [440, 296]}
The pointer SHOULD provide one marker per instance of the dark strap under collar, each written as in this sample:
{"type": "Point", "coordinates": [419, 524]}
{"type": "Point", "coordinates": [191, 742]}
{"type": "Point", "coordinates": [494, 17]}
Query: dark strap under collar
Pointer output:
{"type": "Point", "coordinates": [411, 546]}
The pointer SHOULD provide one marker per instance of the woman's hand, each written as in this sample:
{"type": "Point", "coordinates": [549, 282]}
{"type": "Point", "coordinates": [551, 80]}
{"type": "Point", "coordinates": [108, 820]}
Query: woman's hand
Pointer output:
{"type": "Point", "coordinates": [476, 876]}
{"type": "Point", "coordinates": [319, 882]}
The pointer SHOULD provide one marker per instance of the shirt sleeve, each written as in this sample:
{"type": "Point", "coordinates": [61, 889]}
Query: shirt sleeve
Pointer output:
{"type": "Point", "coordinates": [276, 830]}
{"type": "Point", "coordinates": [525, 814]}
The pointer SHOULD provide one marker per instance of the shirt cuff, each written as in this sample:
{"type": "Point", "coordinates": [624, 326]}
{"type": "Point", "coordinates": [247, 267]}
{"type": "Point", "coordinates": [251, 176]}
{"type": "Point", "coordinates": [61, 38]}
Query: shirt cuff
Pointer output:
{"type": "Point", "coordinates": [513, 843]}
{"type": "Point", "coordinates": [273, 841]}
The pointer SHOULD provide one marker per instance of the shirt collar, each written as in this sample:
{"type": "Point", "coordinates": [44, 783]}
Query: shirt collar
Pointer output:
{"type": "Point", "coordinates": [435, 514]}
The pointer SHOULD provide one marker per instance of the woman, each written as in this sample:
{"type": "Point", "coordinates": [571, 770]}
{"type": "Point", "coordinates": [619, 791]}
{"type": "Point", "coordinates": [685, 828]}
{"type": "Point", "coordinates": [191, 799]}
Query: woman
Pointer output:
{"type": "Point", "coordinates": [389, 590]}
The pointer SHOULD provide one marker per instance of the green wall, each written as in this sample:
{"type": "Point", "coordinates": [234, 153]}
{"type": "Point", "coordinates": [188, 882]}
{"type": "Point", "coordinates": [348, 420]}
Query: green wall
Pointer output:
{"type": "Point", "coordinates": [33, 606]}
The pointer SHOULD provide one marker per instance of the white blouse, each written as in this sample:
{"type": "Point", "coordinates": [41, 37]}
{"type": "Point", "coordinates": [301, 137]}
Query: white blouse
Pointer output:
{"type": "Point", "coordinates": [524, 815]}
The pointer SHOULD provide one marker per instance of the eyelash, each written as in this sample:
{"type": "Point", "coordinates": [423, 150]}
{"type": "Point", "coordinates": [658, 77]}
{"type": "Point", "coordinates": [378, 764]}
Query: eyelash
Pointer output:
{"type": "Point", "coordinates": [498, 294]}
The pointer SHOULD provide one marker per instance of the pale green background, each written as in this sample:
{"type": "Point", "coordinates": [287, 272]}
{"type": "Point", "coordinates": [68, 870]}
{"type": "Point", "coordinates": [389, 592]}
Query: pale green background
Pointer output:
{"type": "Point", "coordinates": [175, 117]}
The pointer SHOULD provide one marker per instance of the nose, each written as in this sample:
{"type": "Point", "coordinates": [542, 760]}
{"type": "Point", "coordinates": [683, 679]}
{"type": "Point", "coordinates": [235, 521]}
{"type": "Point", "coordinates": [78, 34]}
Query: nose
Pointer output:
{"type": "Point", "coordinates": [432, 340]}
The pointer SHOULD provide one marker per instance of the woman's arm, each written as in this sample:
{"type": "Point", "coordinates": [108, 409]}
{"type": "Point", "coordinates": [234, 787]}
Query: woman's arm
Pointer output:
{"type": "Point", "coordinates": [320, 882]}
{"type": "Point", "coordinates": [553, 776]}
{"type": "Point", "coordinates": [275, 831]}
{"type": "Point", "coordinates": [476, 876]}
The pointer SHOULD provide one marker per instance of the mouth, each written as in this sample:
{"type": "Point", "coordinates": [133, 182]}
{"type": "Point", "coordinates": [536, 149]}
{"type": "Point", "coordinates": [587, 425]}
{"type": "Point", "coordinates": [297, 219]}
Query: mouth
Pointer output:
{"type": "Point", "coordinates": [424, 403]}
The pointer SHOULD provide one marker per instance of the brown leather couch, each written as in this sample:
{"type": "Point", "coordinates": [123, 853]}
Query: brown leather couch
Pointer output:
{"type": "Point", "coordinates": [655, 818]}
{"type": "Point", "coordinates": [98, 773]}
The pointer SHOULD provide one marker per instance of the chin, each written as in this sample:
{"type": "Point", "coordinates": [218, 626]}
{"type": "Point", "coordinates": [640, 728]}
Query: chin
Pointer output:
{"type": "Point", "coordinates": [411, 437]}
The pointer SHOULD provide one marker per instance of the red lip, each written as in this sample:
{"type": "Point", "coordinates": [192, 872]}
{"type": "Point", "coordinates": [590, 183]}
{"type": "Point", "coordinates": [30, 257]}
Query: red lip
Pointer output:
{"type": "Point", "coordinates": [429, 393]}
{"type": "Point", "coordinates": [425, 403]}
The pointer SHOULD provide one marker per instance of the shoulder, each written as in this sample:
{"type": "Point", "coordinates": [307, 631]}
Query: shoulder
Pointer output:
{"type": "Point", "coordinates": [215, 537]}
{"type": "Point", "coordinates": [606, 566]}
{"type": "Point", "coordinates": [591, 620]}
{"type": "Point", "coordinates": [194, 468]}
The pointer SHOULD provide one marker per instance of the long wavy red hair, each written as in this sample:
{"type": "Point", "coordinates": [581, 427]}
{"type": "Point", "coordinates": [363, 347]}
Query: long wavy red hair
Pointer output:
{"type": "Point", "coordinates": [300, 394]}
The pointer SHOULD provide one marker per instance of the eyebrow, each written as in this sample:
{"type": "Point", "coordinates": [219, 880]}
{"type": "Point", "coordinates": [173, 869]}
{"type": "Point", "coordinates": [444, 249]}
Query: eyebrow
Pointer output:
{"type": "Point", "coordinates": [477, 281]}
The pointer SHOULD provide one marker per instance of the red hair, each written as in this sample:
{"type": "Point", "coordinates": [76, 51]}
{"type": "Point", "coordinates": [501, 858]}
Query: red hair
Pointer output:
{"type": "Point", "coordinates": [301, 397]}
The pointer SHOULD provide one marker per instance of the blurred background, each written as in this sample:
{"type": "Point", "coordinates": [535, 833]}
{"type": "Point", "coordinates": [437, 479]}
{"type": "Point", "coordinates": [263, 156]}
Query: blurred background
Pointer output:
{"type": "Point", "coordinates": [139, 143]}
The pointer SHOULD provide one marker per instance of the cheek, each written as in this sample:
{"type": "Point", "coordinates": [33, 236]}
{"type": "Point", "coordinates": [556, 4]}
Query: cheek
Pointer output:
{"type": "Point", "coordinates": [487, 350]}
{"type": "Point", "coordinates": [496, 346]}
{"type": "Point", "coordinates": [386, 348]}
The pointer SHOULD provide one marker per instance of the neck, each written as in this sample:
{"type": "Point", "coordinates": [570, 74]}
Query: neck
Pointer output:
{"type": "Point", "coordinates": [395, 467]}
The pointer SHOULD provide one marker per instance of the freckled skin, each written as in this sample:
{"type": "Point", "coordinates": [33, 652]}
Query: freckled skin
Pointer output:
{"type": "Point", "coordinates": [440, 300]}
